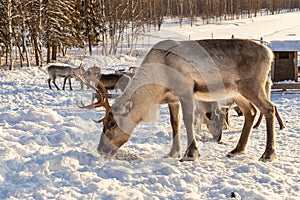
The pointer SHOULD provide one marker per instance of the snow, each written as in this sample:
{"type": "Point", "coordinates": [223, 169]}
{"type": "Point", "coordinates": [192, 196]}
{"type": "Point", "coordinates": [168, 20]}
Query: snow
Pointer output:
{"type": "Point", "coordinates": [48, 144]}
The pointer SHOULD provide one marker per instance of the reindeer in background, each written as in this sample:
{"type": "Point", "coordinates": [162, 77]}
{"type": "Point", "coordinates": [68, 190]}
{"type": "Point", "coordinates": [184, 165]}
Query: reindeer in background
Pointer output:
{"type": "Point", "coordinates": [60, 70]}
{"type": "Point", "coordinates": [92, 71]}
{"type": "Point", "coordinates": [113, 81]}
{"type": "Point", "coordinates": [177, 72]}
{"type": "Point", "coordinates": [211, 115]}
{"type": "Point", "coordinates": [216, 117]}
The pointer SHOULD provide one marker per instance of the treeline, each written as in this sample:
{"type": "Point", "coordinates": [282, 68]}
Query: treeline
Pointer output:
{"type": "Point", "coordinates": [50, 27]}
{"type": "Point", "coordinates": [217, 10]}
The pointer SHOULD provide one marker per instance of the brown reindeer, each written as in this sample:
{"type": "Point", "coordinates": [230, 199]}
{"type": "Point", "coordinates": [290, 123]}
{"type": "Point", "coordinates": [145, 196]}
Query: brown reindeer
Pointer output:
{"type": "Point", "coordinates": [112, 82]}
{"type": "Point", "coordinates": [177, 72]}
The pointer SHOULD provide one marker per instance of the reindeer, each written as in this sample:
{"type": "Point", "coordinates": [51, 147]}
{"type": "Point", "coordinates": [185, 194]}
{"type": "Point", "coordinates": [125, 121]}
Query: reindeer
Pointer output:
{"type": "Point", "coordinates": [65, 71]}
{"type": "Point", "coordinates": [216, 116]}
{"type": "Point", "coordinates": [176, 72]}
{"type": "Point", "coordinates": [211, 115]}
{"type": "Point", "coordinates": [116, 81]}
{"type": "Point", "coordinates": [112, 82]}
{"type": "Point", "coordinates": [92, 71]}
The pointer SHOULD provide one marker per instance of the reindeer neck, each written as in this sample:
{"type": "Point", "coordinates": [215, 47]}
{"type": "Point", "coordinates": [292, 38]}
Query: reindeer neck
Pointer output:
{"type": "Point", "coordinates": [145, 101]}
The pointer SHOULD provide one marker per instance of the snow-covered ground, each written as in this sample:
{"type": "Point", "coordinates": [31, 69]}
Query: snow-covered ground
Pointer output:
{"type": "Point", "coordinates": [48, 145]}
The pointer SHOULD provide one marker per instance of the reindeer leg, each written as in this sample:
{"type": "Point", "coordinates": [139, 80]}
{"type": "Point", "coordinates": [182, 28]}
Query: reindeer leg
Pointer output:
{"type": "Point", "coordinates": [55, 84]}
{"type": "Point", "coordinates": [249, 113]}
{"type": "Point", "coordinates": [261, 101]}
{"type": "Point", "coordinates": [281, 124]}
{"type": "Point", "coordinates": [70, 84]}
{"type": "Point", "coordinates": [269, 154]}
{"type": "Point", "coordinates": [227, 119]}
{"type": "Point", "coordinates": [258, 121]}
{"type": "Point", "coordinates": [49, 83]}
{"type": "Point", "coordinates": [65, 80]}
{"type": "Point", "coordinates": [174, 109]}
{"type": "Point", "coordinates": [187, 104]}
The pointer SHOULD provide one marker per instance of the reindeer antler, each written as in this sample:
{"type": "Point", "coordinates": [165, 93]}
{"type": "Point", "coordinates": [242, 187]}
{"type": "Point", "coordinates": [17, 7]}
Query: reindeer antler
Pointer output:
{"type": "Point", "coordinates": [102, 102]}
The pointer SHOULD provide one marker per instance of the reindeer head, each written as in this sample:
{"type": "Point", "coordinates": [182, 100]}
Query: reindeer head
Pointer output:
{"type": "Point", "coordinates": [113, 137]}
{"type": "Point", "coordinates": [215, 123]}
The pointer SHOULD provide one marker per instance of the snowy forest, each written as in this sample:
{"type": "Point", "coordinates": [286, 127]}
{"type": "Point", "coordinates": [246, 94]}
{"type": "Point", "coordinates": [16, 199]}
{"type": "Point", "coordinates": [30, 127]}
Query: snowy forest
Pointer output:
{"type": "Point", "coordinates": [47, 28]}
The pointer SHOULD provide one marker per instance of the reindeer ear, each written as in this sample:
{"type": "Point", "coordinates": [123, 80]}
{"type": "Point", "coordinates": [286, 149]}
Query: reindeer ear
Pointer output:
{"type": "Point", "coordinates": [126, 108]}
{"type": "Point", "coordinates": [128, 105]}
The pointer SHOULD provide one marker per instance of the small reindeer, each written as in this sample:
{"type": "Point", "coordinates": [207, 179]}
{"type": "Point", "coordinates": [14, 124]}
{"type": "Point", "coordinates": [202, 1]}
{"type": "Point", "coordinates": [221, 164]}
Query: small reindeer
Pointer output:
{"type": "Point", "coordinates": [92, 71]}
{"type": "Point", "coordinates": [65, 71]}
{"type": "Point", "coordinates": [211, 115]}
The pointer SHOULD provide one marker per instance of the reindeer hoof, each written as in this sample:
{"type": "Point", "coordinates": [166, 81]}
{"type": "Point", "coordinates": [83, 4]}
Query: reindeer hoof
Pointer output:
{"type": "Point", "coordinates": [191, 155]}
{"type": "Point", "coordinates": [268, 156]}
{"type": "Point", "coordinates": [194, 157]}
{"type": "Point", "coordinates": [188, 159]}
{"type": "Point", "coordinates": [281, 127]}
{"type": "Point", "coordinates": [235, 153]}
{"type": "Point", "coordinates": [255, 127]}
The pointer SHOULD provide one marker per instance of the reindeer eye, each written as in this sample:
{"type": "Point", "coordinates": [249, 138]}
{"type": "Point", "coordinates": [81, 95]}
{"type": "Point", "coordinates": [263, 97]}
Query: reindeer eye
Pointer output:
{"type": "Point", "coordinates": [111, 124]}
{"type": "Point", "coordinates": [208, 115]}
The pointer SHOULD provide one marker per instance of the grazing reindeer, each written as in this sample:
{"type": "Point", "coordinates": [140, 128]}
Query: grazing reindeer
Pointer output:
{"type": "Point", "coordinates": [65, 71]}
{"type": "Point", "coordinates": [112, 82]}
{"type": "Point", "coordinates": [210, 114]}
{"type": "Point", "coordinates": [176, 72]}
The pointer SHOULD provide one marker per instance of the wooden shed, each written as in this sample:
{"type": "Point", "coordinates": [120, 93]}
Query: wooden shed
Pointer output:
{"type": "Point", "coordinates": [285, 65]}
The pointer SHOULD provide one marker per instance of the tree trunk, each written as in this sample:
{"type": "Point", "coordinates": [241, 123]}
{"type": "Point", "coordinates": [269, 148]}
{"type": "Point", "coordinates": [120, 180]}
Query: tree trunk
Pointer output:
{"type": "Point", "coordinates": [40, 35]}
{"type": "Point", "coordinates": [25, 50]}
{"type": "Point", "coordinates": [36, 51]}
{"type": "Point", "coordinates": [10, 32]}
{"type": "Point", "coordinates": [48, 52]}
{"type": "Point", "coordinates": [54, 50]}
{"type": "Point", "coordinates": [90, 44]}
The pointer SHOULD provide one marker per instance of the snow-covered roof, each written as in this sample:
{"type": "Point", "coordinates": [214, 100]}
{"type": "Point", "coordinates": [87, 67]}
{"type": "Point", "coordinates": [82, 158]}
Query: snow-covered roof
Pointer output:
{"type": "Point", "coordinates": [285, 45]}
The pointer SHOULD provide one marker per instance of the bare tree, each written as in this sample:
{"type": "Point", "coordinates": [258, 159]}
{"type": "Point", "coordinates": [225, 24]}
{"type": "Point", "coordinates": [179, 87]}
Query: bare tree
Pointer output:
{"type": "Point", "coordinates": [10, 33]}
